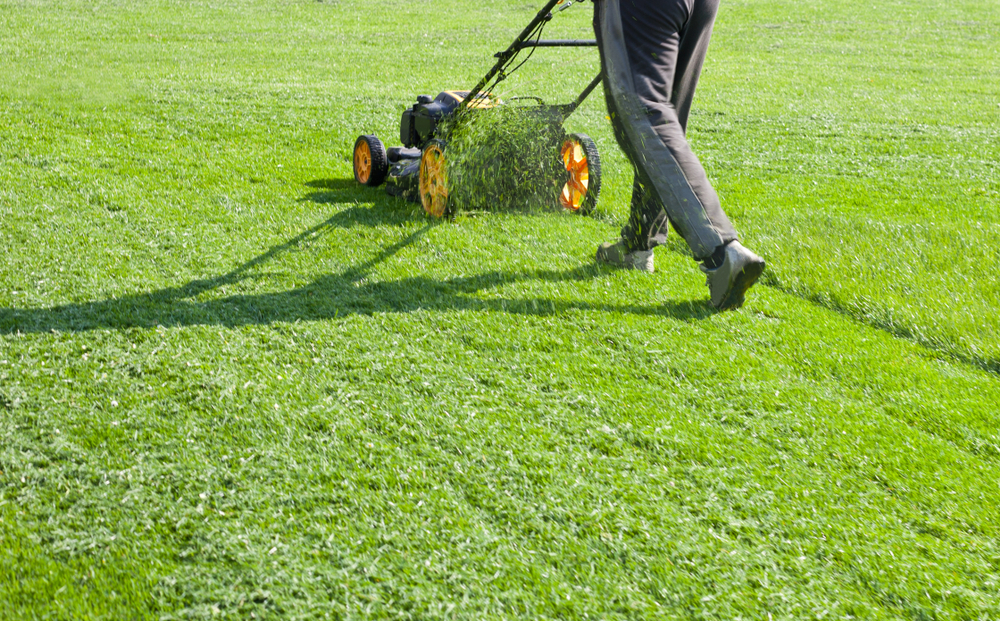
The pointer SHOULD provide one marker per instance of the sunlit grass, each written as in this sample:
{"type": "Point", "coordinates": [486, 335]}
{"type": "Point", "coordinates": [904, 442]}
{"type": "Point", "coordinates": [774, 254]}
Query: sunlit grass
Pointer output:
{"type": "Point", "coordinates": [233, 382]}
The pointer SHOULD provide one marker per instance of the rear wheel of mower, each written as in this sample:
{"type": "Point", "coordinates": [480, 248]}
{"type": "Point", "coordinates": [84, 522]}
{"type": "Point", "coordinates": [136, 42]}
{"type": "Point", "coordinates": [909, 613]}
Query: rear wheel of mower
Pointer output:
{"type": "Point", "coordinates": [371, 164]}
{"type": "Point", "coordinates": [583, 166]}
{"type": "Point", "coordinates": [434, 179]}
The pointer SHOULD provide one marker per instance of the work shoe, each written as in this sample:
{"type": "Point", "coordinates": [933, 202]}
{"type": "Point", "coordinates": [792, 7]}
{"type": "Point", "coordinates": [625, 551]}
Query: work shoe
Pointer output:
{"type": "Point", "coordinates": [616, 254]}
{"type": "Point", "coordinates": [739, 271]}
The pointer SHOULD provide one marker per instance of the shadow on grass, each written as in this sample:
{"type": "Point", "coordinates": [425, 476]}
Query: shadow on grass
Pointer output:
{"type": "Point", "coordinates": [327, 297]}
{"type": "Point", "coordinates": [385, 209]}
{"type": "Point", "coordinates": [340, 191]}
{"type": "Point", "coordinates": [335, 184]}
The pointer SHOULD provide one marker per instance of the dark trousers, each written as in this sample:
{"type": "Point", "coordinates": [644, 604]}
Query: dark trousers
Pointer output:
{"type": "Point", "coordinates": [652, 52]}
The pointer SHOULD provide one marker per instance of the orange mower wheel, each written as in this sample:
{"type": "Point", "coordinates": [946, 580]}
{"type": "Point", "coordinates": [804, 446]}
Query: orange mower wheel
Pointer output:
{"type": "Point", "coordinates": [371, 163]}
{"type": "Point", "coordinates": [434, 191]}
{"type": "Point", "coordinates": [583, 168]}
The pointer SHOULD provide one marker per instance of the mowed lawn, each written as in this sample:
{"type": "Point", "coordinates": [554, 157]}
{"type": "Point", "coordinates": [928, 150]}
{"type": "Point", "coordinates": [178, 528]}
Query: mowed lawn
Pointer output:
{"type": "Point", "coordinates": [234, 384]}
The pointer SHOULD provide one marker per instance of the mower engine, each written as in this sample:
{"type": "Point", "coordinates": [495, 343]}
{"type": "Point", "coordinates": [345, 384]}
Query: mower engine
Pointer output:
{"type": "Point", "coordinates": [398, 167]}
{"type": "Point", "coordinates": [420, 121]}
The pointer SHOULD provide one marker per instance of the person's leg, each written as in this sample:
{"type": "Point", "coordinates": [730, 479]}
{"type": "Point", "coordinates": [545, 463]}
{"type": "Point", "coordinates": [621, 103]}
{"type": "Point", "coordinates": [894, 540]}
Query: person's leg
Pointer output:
{"type": "Point", "coordinates": [651, 57]}
{"type": "Point", "coordinates": [641, 44]}
{"type": "Point", "coordinates": [691, 57]}
{"type": "Point", "coordinates": [647, 222]}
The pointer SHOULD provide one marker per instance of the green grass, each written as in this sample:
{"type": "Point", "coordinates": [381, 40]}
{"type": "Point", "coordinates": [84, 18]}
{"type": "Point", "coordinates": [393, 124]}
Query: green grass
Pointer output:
{"type": "Point", "coordinates": [234, 384]}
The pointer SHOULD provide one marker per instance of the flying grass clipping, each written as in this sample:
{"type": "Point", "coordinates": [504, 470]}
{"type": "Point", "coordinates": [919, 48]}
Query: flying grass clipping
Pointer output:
{"type": "Point", "coordinates": [505, 158]}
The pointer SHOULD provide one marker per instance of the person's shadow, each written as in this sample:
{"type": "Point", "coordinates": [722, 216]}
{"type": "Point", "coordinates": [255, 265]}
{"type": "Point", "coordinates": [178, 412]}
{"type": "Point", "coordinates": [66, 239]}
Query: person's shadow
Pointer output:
{"type": "Point", "coordinates": [328, 296]}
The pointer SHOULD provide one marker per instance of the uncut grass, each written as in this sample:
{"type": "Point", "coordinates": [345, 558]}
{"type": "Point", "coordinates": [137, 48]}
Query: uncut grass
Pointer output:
{"type": "Point", "coordinates": [206, 325]}
{"type": "Point", "coordinates": [871, 185]}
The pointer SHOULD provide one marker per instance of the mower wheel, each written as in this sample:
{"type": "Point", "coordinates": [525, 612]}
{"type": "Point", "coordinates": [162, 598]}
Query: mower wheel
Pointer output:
{"type": "Point", "coordinates": [583, 166]}
{"type": "Point", "coordinates": [434, 179]}
{"type": "Point", "coordinates": [371, 164]}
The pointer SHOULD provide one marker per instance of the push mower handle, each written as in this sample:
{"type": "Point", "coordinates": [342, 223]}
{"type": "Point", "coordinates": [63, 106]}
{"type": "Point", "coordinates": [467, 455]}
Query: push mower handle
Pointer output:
{"type": "Point", "coordinates": [544, 15]}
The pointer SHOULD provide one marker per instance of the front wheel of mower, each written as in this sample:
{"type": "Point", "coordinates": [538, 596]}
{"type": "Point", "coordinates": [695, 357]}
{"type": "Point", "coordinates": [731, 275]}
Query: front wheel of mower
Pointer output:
{"type": "Point", "coordinates": [371, 163]}
{"type": "Point", "coordinates": [434, 179]}
{"type": "Point", "coordinates": [582, 163]}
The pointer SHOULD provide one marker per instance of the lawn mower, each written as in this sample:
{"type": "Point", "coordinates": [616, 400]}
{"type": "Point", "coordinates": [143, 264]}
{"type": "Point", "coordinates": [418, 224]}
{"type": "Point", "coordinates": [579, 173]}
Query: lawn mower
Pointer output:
{"type": "Point", "coordinates": [418, 170]}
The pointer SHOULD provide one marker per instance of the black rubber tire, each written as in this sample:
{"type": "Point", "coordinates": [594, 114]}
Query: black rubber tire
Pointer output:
{"type": "Point", "coordinates": [378, 161]}
{"type": "Point", "coordinates": [594, 172]}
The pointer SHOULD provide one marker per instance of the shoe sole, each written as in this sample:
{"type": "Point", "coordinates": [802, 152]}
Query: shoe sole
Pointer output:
{"type": "Point", "coordinates": [744, 280]}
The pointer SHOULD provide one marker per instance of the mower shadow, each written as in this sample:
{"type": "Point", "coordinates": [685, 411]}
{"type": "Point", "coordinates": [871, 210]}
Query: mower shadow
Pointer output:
{"type": "Point", "coordinates": [334, 184]}
{"type": "Point", "coordinates": [340, 191]}
{"type": "Point", "coordinates": [328, 296]}
{"type": "Point", "coordinates": [385, 209]}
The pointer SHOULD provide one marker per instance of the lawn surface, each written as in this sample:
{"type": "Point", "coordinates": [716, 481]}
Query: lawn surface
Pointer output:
{"type": "Point", "coordinates": [234, 384]}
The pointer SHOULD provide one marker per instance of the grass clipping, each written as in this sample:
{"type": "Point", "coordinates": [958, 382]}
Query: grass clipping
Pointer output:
{"type": "Point", "coordinates": [505, 158]}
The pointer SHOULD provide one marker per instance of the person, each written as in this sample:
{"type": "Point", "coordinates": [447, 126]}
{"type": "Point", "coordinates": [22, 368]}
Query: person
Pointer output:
{"type": "Point", "coordinates": [652, 52]}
